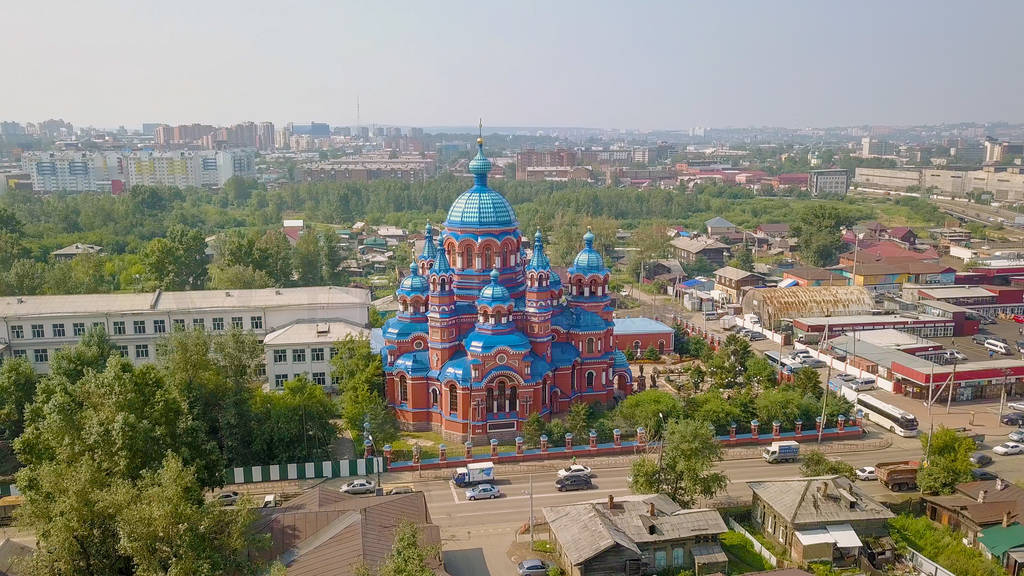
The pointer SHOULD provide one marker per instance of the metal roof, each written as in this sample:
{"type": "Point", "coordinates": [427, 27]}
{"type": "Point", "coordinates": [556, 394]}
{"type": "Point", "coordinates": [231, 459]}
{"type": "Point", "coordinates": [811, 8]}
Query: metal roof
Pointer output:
{"type": "Point", "coordinates": [797, 301]}
{"type": "Point", "coordinates": [629, 326]}
{"type": "Point", "coordinates": [734, 273]}
{"type": "Point", "coordinates": [314, 332]}
{"type": "Point", "coordinates": [818, 499]}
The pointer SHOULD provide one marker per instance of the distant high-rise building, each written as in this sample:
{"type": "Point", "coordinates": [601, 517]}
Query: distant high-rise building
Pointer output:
{"type": "Point", "coordinates": [829, 182]}
{"type": "Point", "coordinates": [874, 147]}
{"type": "Point", "coordinates": [416, 132]}
{"type": "Point", "coordinates": [394, 132]}
{"type": "Point", "coordinates": [364, 132]}
{"type": "Point", "coordinates": [74, 171]}
{"type": "Point", "coordinates": [265, 140]}
{"type": "Point", "coordinates": [378, 132]}
{"type": "Point", "coordinates": [997, 151]}
{"type": "Point", "coordinates": [282, 139]}
{"type": "Point", "coordinates": [149, 128]}
{"type": "Point", "coordinates": [344, 131]}
{"type": "Point", "coordinates": [314, 129]}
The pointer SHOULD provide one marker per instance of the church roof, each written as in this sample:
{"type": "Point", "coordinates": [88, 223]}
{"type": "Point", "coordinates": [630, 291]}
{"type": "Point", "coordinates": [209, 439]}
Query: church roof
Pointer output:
{"type": "Point", "coordinates": [563, 353]}
{"type": "Point", "coordinates": [396, 329]}
{"type": "Point", "coordinates": [429, 248]}
{"type": "Point", "coordinates": [588, 261]}
{"type": "Point", "coordinates": [540, 260]}
{"type": "Point", "coordinates": [578, 320]}
{"type": "Point", "coordinates": [457, 369]}
{"type": "Point", "coordinates": [494, 294]}
{"type": "Point", "coordinates": [413, 283]}
{"type": "Point", "coordinates": [441, 265]}
{"type": "Point", "coordinates": [413, 363]}
{"type": "Point", "coordinates": [620, 360]}
{"type": "Point", "coordinates": [480, 206]}
{"type": "Point", "coordinates": [479, 342]}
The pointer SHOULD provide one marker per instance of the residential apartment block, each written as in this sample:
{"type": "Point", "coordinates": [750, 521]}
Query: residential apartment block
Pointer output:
{"type": "Point", "coordinates": [36, 327]}
{"type": "Point", "coordinates": [829, 182]}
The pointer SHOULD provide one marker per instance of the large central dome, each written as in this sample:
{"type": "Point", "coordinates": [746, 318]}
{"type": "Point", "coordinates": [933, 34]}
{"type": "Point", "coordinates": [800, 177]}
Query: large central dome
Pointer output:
{"type": "Point", "coordinates": [481, 207]}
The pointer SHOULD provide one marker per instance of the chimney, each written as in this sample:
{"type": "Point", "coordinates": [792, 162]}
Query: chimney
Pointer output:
{"type": "Point", "coordinates": [611, 501]}
{"type": "Point", "coordinates": [981, 496]}
{"type": "Point", "coordinates": [650, 510]}
{"type": "Point", "coordinates": [1006, 518]}
{"type": "Point", "coordinates": [1000, 484]}
{"type": "Point", "coordinates": [824, 489]}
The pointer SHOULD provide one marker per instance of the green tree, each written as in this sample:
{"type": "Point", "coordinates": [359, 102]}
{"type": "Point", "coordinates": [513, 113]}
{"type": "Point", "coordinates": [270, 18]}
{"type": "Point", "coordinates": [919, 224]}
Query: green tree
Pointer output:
{"type": "Point", "coordinates": [91, 353]}
{"type": "Point", "coordinates": [533, 428]}
{"type": "Point", "coordinates": [647, 409]}
{"type": "Point", "coordinates": [306, 260]}
{"type": "Point", "coordinates": [274, 257]}
{"type": "Point", "coordinates": [376, 318]}
{"type": "Point", "coordinates": [651, 353]}
{"type": "Point", "coordinates": [330, 258]}
{"type": "Point", "coordinates": [713, 408]}
{"type": "Point", "coordinates": [18, 383]}
{"type": "Point", "coordinates": [177, 261]}
{"type": "Point", "coordinates": [760, 373]}
{"type": "Point", "coordinates": [699, 267]}
{"type": "Point", "coordinates": [238, 278]}
{"type": "Point", "coordinates": [690, 452]}
{"type": "Point", "coordinates": [25, 278]}
{"type": "Point", "coordinates": [783, 404]}
{"type": "Point", "coordinates": [577, 420]}
{"type": "Point", "coordinates": [815, 463]}
{"type": "Point", "coordinates": [948, 461]}
{"type": "Point", "coordinates": [742, 260]}
{"type": "Point", "coordinates": [408, 556]}
{"type": "Point", "coordinates": [294, 425]}
{"type": "Point", "coordinates": [728, 365]}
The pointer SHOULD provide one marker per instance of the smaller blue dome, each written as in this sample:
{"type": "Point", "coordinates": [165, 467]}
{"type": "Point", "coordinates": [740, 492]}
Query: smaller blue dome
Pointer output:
{"type": "Point", "coordinates": [588, 261]}
{"type": "Point", "coordinates": [413, 283]}
{"type": "Point", "coordinates": [441, 265]}
{"type": "Point", "coordinates": [494, 294]}
{"type": "Point", "coordinates": [480, 165]}
{"type": "Point", "coordinates": [620, 360]}
{"type": "Point", "coordinates": [539, 261]}
{"type": "Point", "coordinates": [429, 249]}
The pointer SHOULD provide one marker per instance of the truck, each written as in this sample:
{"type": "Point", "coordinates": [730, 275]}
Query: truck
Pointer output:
{"type": "Point", "coordinates": [898, 476]}
{"type": "Point", "coordinates": [785, 451]}
{"type": "Point", "coordinates": [474, 473]}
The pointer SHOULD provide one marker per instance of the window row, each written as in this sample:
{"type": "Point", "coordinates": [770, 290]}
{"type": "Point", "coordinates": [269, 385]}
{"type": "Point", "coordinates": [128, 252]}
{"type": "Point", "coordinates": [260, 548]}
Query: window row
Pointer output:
{"type": "Point", "coordinates": [120, 327]}
{"type": "Point", "coordinates": [299, 355]}
{"type": "Point", "coordinates": [42, 355]}
{"type": "Point", "coordinates": [318, 378]}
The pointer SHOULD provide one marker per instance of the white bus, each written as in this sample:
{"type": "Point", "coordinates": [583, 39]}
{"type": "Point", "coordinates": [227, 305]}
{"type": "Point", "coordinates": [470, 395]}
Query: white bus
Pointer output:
{"type": "Point", "coordinates": [887, 416]}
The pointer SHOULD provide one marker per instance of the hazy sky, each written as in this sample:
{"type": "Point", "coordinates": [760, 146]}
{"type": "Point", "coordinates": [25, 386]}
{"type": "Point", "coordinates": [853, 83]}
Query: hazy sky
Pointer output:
{"type": "Point", "coordinates": [621, 64]}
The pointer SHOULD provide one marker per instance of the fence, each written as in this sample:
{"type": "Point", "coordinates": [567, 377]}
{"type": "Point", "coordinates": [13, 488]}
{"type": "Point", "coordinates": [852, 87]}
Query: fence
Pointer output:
{"type": "Point", "coordinates": [757, 545]}
{"type": "Point", "coordinates": [305, 470]}
{"type": "Point", "coordinates": [924, 566]}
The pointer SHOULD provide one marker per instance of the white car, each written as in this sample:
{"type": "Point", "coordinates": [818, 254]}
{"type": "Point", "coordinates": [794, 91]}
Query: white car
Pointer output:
{"type": "Point", "coordinates": [360, 487]}
{"type": "Point", "coordinates": [1016, 406]}
{"type": "Point", "coordinates": [483, 492]}
{"type": "Point", "coordinates": [866, 473]}
{"type": "Point", "coordinates": [574, 470]}
{"type": "Point", "coordinates": [1017, 435]}
{"type": "Point", "coordinates": [1008, 448]}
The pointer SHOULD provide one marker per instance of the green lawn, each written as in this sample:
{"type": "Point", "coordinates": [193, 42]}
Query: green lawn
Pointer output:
{"type": "Point", "coordinates": [742, 556]}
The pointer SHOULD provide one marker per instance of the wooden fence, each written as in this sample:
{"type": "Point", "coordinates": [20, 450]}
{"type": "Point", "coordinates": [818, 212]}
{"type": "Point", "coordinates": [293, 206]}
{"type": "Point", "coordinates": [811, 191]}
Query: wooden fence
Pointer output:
{"type": "Point", "coordinates": [768, 556]}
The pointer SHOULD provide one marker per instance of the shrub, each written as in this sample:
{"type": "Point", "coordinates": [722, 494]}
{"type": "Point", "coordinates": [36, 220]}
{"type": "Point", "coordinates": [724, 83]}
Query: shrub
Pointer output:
{"type": "Point", "coordinates": [651, 353]}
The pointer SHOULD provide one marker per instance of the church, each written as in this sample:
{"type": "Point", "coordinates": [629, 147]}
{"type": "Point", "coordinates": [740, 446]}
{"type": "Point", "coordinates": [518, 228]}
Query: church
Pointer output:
{"type": "Point", "coordinates": [484, 336]}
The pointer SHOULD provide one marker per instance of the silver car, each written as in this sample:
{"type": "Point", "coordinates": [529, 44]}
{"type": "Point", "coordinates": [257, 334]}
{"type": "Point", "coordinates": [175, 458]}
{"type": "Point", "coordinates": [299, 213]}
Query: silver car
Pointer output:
{"type": "Point", "coordinates": [360, 487]}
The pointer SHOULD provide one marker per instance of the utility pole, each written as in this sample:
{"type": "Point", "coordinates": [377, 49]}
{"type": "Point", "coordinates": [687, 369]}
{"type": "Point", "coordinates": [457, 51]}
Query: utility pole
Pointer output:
{"type": "Point", "coordinates": [828, 378]}
{"type": "Point", "coordinates": [531, 511]}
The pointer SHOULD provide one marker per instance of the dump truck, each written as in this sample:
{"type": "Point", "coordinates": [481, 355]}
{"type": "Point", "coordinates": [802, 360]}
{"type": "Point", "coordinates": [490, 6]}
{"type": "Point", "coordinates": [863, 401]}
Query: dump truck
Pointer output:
{"type": "Point", "coordinates": [785, 451]}
{"type": "Point", "coordinates": [474, 473]}
{"type": "Point", "coordinates": [898, 476]}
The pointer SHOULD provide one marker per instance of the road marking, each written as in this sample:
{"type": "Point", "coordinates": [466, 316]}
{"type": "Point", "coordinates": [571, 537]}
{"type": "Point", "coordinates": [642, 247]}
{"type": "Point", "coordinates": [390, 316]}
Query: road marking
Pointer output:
{"type": "Point", "coordinates": [455, 495]}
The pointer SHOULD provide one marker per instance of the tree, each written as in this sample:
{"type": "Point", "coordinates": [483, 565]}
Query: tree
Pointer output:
{"type": "Point", "coordinates": [647, 409]}
{"type": "Point", "coordinates": [25, 278]}
{"type": "Point", "coordinates": [306, 260]}
{"type": "Point", "coordinates": [699, 267]}
{"type": "Point", "coordinates": [376, 318]}
{"type": "Point", "coordinates": [330, 258]}
{"type": "Point", "coordinates": [408, 556]}
{"type": "Point", "coordinates": [713, 408]}
{"type": "Point", "coordinates": [743, 260]}
{"type": "Point", "coordinates": [17, 387]}
{"type": "Point", "coordinates": [760, 373]}
{"type": "Point", "coordinates": [360, 391]}
{"type": "Point", "coordinates": [177, 261]}
{"type": "Point", "coordinates": [577, 420]}
{"type": "Point", "coordinates": [690, 452]}
{"type": "Point", "coordinates": [948, 461]}
{"type": "Point", "coordinates": [294, 425]}
{"type": "Point", "coordinates": [728, 365]}
{"type": "Point", "coordinates": [533, 428]}
{"type": "Point", "coordinates": [238, 278]}
{"type": "Point", "coordinates": [784, 404]}
{"type": "Point", "coordinates": [815, 463]}
{"type": "Point", "coordinates": [274, 257]}
{"type": "Point", "coordinates": [651, 353]}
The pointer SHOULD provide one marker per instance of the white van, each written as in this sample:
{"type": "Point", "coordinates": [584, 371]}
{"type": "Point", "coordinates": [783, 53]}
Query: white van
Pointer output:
{"type": "Point", "coordinates": [998, 347]}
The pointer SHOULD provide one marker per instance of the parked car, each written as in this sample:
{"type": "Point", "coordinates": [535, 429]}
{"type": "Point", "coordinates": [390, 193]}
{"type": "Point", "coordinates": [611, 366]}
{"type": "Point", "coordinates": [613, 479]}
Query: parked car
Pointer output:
{"type": "Point", "coordinates": [1013, 419]}
{"type": "Point", "coordinates": [574, 470]}
{"type": "Point", "coordinates": [1018, 319]}
{"type": "Point", "coordinates": [226, 498]}
{"type": "Point", "coordinates": [813, 362]}
{"type": "Point", "coordinates": [1018, 406]}
{"type": "Point", "coordinates": [360, 486]}
{"type": "Point", "coordinates": [979, 339]}
{"type": "Point", "coordinates": [1017, 435]}
{"type": "Point", "coordinates": [866, 473]}
{"type": "Point", "coordinates": [483, 492]}
{"type": "Point", "coordinates": [569, 483]}
{"type": "Point", "coordinates": [399, 490]}
{"type": "Point", "coordinates": [980, 459]}
{"type": "Point", "coordinates": [980, 475]}
{"type": "Point", "coordinates": [955, 355]}
{"type": "Point", "coordinates": [533, 567]}
{"type": "Point", "coordinates": [756, 337]}
{"type": "Point", "coordinates": [860, 384]}
{"type": "Point", "coordinates": [1009, 448]}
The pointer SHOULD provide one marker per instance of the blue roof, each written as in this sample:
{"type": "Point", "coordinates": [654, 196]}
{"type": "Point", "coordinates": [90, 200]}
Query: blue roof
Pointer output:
{"type": "Point", "coordinates": [563, 353]}
{"type": "Point", "coordinates": [494, 294]}
{"type": "Point", "coordinates": [441, 265]}
{"type": "Point", "coordinates": [540, 260]}
{"type": "Point", "coordinates": [481, 207]}
{"type": "Point", "coordinates": [694, 282]}
{"type": "Point", "coordinates": [578, 320]}
{"type": "Point", "coordinates": [588, 261]}
{"type": "Point", "coordinates": [483, 342]}
{"type": "Point", "coordinates": [620, 360]}
{"type": "Point", "coordinates": [538, 367]}
{"type": "Point", "coordinates": [396, 329]}
{"type": "Point", "coordinates": [640, 326]}
{"type": "Point", "coordinates": [413, 363]}
{"type": "Point", "coordinates": [457, 369]}
{"type": "Point", "coordinates": [413, 283]}
{"type": "Point", "coordinates": [429, 248]}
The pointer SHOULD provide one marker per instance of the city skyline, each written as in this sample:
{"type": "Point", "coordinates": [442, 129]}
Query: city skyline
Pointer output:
{"type": "Point", "coordinates": [569, 65]}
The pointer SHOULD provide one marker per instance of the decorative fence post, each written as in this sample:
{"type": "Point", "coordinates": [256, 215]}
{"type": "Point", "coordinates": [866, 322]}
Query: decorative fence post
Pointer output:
{"type": "Point", "coordinates": [543, 444]}
{"type": "Point", "coordinates": [469, 450]}
{"type": "Point", "coordinates": [753, 428]}
{"type": "Point", "coordinates": [798, 427]}
{"type": "Point", "coordinates": [416, 453]}
{"type": "Point", "coordinates": [732, 430]}
{"type": "Point", "coordinates": [442, 453]}
{"type": "Point", "coordinates": [818, 423]}
{"type": "Point", "coordinates": [860, 419]}
{"type": "Point", "coordinates": [841, 423]}
{"type": "Point", "coordinates": [519, 445]}
{"type": "Point", "coordinates": [776, 429]}
{"type": "Point", "coordinates": [593, 440]}
{"type": "Point", "coordinates": [568, 441]}
{"type": "Point", "coordinates": [367, 448]}
{"type": "Point", "coordinates": [494, 447]}
{"type": "Point", "coordinates": [387, 453]}
{"type": "Point", "coordinates": [641, 438]}
{"type": "Point", "coordinates": [617, 437]}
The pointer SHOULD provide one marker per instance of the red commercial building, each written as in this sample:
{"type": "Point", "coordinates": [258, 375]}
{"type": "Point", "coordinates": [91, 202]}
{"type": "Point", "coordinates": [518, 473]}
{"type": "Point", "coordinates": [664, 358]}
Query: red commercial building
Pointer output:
{"type": "Point", "coordinates": [639, 334]}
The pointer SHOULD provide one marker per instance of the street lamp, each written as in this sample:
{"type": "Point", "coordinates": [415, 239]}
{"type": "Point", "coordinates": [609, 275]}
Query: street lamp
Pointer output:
{"type": "Point", "coordinates": [379, 491]}
{"type": "Point", "coordinates": [661, 446]}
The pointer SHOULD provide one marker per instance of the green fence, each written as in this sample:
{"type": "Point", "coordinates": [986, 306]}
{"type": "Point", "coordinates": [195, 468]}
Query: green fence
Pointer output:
{"type": "Point", "coordinates": [306, 470]}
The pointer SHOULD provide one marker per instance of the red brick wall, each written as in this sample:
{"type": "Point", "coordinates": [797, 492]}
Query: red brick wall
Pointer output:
{"type": "Point", "coordinates": [626, 341]}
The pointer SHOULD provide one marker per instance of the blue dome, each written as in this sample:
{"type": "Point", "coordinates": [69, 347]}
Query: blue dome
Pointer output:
{"type": "Point", "coordinates": [481, 207]}
{"type": "Point", "coordinates": [440, 265]}
{"type": "Point", "coordinates": [620, 360]}
{"type": "Point", "coordinates": [494, 293]}
{"type": "Point", "coordinates": [413, 283]}
{"type": "Point", "coordinates": [588, 261]}
{"type": "Point", "coordinates": [539, 261]}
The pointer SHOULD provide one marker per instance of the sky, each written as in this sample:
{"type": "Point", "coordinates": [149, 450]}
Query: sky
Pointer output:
{"type": "Point", "coordinates": [599, 64]}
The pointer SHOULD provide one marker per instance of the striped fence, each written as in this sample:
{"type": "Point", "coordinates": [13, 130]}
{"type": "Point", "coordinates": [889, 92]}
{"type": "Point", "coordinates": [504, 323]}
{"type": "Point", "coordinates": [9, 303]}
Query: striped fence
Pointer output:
{"type": "Point", "coordinates": [306, 470]}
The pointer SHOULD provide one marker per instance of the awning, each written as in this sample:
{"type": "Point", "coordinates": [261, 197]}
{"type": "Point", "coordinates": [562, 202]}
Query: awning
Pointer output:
{"type": "Point", "coordinates": [844, 536]}
{"type": "Point", "coordinates": [1017, 554]}
{"type": "Point", "coordinates": [708, 553]}
{"type": "Point", "coordinates": [818, 536]}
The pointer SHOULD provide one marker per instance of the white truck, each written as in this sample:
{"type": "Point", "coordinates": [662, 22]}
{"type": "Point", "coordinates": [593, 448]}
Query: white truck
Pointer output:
{"type": "Point", "coordinates": [785, 451]}
{"type": "Point", "coordinates": [474, 473]}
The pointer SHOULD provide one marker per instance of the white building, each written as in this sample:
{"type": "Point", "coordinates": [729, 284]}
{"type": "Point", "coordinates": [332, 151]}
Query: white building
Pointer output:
{"type": "Point", "coordinates": [306, 348]}
{"type": "Point", "coordinates": [35, 327]}
{"type": "Point", "coordinates": [71, 171]}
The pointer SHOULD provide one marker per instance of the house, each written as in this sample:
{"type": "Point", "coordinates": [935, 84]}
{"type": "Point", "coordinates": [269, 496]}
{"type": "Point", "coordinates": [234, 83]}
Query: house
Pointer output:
{"type": "Point", "coordinates": [890, 275]}
{"type": "Point", "coordinates": [668, 271]}
{"type": "Point", "coordinates": [871, 251]}
{"type": "Point", "coordinates": [692, 249]}
{"type": "Point", "coordinates": [326, 532]}
{"type": "Point", "coordinates": [292, 229]}
{"type": "Point", "coordinates": [902, 234]}
{"type": "Point", "coordinates": [735, 282]}
{"type": "Point", "coordinates": [74, 250]}
{"type": "Point", "coordinates": [818, 518]}
{"type": "Point", "coordinates": [391, 233]}
{"type": "Point", "coordinates": [718, 226]}
{"type": "Point", "coordinates": [779, 230]}
{"type": "Point", "coordinates": [636, 535]}
{"type": "Point", "coordinates": [1005, 544]}
{"type": "Point", "coordinates": [975, 506]}
{"type": "Point", "coordinates": [814, 276]}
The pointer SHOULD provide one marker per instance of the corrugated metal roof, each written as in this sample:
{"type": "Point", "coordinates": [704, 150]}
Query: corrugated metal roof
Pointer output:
{"type": "Point", "coordinates": [798, 301]}
{"type": "Point", "coordinates": [804, 500]}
